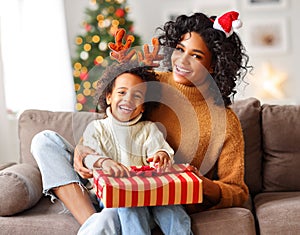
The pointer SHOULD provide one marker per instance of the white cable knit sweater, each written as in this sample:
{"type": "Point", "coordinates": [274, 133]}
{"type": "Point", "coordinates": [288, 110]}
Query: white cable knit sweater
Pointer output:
{"type": "Point", "coordinates": [129, 143]}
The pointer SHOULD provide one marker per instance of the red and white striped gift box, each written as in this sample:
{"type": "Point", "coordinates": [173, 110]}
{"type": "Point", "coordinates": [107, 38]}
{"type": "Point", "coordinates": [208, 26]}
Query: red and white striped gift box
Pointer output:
{"type": "Point", "coordinates": [178, 186]}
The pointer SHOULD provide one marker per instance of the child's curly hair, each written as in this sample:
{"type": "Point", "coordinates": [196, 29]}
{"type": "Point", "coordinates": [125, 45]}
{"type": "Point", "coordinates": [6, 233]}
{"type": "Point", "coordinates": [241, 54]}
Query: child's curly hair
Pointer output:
{"type": "Point", "coordinates": [106, 83]}
{"type": "Point", "coordinates": [229, 58]}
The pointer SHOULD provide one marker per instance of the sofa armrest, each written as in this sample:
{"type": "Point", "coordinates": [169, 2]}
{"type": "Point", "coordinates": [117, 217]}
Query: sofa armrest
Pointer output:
{"type": "Point", "coordinates": [5, 165]}
{"type": "Point", "coordinates": [21, 188]}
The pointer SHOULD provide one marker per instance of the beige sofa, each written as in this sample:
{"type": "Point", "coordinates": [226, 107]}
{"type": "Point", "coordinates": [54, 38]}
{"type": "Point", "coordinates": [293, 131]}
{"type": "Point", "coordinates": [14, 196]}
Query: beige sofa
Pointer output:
{"type": "Point", "coordinates": [272, 163]}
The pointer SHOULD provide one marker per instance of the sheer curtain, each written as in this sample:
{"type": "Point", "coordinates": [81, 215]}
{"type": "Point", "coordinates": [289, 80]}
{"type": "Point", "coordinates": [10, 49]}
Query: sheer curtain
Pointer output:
{"type": "Point", "coordinates": [36, 58]}
{"type": "Point", "coordinates": [4, 149]}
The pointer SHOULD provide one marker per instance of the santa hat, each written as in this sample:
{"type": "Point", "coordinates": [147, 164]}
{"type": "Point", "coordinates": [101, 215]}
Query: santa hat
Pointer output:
{"type": "Point", "coordinates": [228, 22]}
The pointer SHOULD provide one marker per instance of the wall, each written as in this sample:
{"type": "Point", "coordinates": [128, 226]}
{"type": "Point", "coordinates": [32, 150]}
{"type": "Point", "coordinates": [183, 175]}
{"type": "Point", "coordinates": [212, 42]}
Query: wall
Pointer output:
{"type": "Point", "coordinates": [148, 15]}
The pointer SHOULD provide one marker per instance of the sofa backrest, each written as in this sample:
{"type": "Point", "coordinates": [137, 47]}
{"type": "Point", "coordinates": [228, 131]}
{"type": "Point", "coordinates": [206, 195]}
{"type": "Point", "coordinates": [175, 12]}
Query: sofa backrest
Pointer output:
{"type": "Point", "coordinates": [249, 113]}
{"type": "Point", "coordinates": [281, 143]}
{"type": "Point", "coordinates": [68, 124]}
{"type": "Point", "coordinates": [271, 134]}
{"type": "Point", "coordinates": [72, 124]}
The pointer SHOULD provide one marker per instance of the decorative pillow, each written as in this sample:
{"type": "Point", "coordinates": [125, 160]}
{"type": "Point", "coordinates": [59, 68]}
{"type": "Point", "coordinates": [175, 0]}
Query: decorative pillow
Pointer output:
{"type": "Point", "coordinates": [281, 134]}
{"type": "Point", "coordinates": [21, 188]}
{"type": "Point", "coordinates": [249, 113]}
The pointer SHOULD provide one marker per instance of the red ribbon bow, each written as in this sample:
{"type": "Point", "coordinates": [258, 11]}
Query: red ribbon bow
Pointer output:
{"type": "Point", "coordinates": [143, 171]}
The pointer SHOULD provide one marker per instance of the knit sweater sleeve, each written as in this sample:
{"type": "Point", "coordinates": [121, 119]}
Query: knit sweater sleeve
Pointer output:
{"type": "Point", "coordinates": [234, 191]}
{"type": "Point", "coordinates": [156, 142]}
{"type": "Point", "coordinates": [91, 138]}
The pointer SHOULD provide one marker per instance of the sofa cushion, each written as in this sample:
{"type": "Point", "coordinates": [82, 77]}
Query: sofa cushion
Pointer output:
{"type": "Point", "coordinates": [45, 218]}
{"type": "Point", "coordinates": [278, 213]}
{"type": "Point", "coordinates": [68, 124]}
{"type": "Point", "coordinates": [249, 113]}
{"type": "Point", "coordinates": [281, 135]}
{"type": "Point", "coordinates": [21, 188]}
{"type": "Point", "coordinates": [234, 221]}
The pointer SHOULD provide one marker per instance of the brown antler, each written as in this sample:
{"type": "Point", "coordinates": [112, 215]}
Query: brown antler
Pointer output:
{"type": "Point", "coordinates": [120, 51]}
{"type": "Point", "coordinates": [149, 57]}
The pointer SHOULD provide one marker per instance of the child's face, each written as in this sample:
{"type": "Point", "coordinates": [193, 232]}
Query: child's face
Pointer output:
{"type": "Point", "coordinates": [127, 97]}
{"type": "Point", "coordinates": [191, 60]}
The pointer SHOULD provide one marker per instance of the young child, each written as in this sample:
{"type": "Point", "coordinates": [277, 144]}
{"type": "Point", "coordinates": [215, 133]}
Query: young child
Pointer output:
{"type": "Point", "coordinates": [122, 139]}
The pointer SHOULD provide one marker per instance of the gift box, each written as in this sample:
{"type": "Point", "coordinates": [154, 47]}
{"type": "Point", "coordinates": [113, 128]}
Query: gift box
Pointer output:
{"type": "Point", "coordinates": [147, 187]}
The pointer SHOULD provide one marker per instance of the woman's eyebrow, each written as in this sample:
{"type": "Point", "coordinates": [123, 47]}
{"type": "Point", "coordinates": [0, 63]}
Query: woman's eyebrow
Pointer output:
{"type": "Point", "coordinates": [195, 50]}
{"type": "Point", "coordinates": [199, 51]}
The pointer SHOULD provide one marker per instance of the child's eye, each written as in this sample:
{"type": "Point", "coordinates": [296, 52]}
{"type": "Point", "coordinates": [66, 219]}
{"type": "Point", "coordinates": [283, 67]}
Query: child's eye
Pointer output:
{"type": "Point", "coordinates": [138, 97]}
{"type": "Point", "coordinates": [121, 92]}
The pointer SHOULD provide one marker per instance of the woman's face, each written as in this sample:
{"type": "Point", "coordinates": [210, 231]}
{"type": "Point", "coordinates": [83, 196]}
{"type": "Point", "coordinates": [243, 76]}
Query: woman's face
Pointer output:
{"type": "Point", "coordinates": [191, 60]}
{"type": "Point", "coordinates": [127, 97]}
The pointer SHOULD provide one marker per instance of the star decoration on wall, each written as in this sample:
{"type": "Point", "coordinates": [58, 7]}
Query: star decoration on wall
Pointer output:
{"type": "Point", "coordinates": [269, 82]}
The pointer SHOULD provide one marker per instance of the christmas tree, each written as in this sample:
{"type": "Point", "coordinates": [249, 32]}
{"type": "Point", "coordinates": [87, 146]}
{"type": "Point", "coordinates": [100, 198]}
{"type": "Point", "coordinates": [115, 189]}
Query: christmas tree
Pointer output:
{"type": "Point", "coordinates": [104, 17]}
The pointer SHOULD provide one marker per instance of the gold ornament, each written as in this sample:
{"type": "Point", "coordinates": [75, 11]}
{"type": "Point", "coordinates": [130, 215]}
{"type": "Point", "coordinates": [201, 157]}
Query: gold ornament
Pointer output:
{"type": "Point", "coordinates": [78, 40]}
{"type": "Point", "coordinates": [96, 39]}
{"type": "Point", "coordinates": [87, 47]}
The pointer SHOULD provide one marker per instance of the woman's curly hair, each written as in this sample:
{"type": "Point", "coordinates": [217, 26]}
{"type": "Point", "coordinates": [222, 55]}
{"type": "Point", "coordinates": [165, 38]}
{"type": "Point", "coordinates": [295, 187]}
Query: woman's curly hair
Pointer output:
{"type": "Point", "coordinates": [106, 84]}
{"type": "Point", "coordinates": [229, 58]}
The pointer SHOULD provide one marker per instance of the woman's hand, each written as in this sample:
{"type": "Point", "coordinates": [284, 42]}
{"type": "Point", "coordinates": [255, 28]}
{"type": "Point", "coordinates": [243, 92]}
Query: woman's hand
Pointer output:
{"type": "Point", "coordinates": [80, 153]}
{"type": "Point", "coordinates": [211, 190]}
{"type": "Point", "coordinates": [161, 160]}
{"type": "Point", "coordinates": [112, 168]}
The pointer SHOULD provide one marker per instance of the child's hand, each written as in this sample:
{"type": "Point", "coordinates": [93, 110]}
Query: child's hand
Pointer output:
{"type": "Point", "coordinates": [161, 160]}
{"type": "Point", "coordinates": [113, 168]}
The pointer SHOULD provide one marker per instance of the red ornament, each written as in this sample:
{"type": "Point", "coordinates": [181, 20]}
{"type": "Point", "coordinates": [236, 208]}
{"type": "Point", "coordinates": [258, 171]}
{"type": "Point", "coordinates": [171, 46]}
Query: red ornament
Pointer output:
{"type": "Point", "coordinates": [131, 29]}
{"type": "Point", "coordinates": [96, 62]}
{"type": "Point", "coordinates": [120, 12]}
{"type": "Point", "coordinates": [84, 76]}
{"type": "Point", "coordinates": [88, 27]}
{"type": "Point", "coordinates": [82, 100]}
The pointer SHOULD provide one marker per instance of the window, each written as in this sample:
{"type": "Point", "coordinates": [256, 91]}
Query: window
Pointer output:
{"type": "Point", "coordinates": [37, 69]}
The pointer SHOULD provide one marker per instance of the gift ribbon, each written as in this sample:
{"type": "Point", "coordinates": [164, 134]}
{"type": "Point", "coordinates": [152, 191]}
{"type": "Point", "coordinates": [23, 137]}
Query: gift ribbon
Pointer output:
{"type": "Point", "coordinates": [152, 171]}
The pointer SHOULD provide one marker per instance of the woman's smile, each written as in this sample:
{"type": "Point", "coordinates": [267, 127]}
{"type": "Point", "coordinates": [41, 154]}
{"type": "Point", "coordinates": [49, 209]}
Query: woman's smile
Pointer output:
{"type": "Point", "coordinates": [182, 70]}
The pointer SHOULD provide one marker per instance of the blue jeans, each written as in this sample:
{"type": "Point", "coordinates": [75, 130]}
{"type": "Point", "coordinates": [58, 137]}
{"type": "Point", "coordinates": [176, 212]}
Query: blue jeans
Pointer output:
{"type": "Point", "coordinates": [140, 220]}
{"type": "Point", "coordinates": [54, 156]}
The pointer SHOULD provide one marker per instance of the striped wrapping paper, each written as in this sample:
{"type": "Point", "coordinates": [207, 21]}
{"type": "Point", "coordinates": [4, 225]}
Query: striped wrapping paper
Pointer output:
{"type": "Point", "coordinates": [179, 186]}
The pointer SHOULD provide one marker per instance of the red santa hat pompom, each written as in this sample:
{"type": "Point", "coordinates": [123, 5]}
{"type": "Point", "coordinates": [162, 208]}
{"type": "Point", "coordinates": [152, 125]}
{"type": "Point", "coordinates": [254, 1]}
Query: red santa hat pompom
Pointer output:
{"type": "Point", "coordinates": [228, 22]}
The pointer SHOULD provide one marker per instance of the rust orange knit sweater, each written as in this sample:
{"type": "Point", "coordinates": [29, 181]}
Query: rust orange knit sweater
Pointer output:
{"type": "Point", "coordinates": [201, 132]}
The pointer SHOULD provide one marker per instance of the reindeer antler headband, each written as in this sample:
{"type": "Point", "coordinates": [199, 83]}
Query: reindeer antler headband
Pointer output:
{"type": "Point", "coordinates": [122, 54]}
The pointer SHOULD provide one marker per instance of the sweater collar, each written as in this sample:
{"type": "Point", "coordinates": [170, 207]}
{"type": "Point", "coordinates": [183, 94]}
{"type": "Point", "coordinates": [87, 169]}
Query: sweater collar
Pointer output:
{"type": "Point", "coordinates": [192, 93]}
{"type": "Point", "coordinates": [117, 122]}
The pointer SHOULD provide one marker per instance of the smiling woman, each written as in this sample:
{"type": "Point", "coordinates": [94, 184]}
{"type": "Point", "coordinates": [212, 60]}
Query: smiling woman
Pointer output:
{"type": "Point", "coordinates": [36, 60]}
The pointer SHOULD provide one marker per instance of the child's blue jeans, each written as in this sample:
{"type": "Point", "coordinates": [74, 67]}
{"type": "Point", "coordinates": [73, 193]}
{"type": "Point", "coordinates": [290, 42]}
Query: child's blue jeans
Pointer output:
{"type": "Point", "coordinates": [171, 219]}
